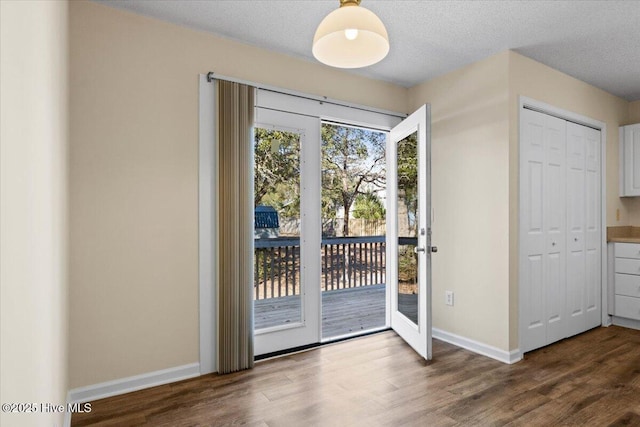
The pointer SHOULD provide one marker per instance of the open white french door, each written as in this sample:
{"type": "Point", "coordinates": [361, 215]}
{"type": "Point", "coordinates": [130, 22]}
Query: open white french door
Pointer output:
{"type": "Point", "coordinates": [291, 313]}
{"type": "Point", "coordinates": [409, 230]}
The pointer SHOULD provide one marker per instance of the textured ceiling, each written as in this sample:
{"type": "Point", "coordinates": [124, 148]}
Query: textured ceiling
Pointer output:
{"type": "Point", "coordinates": [595, 41]}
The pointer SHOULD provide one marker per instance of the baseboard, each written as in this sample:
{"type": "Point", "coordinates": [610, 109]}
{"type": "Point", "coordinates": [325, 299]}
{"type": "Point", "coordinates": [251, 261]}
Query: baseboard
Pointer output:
{"type": "Point", "coordinates": [136, 382]}
{"type": "Point", "coordinates": [503, 356]}
{"type": "Point", "coordinates": [624, 322]}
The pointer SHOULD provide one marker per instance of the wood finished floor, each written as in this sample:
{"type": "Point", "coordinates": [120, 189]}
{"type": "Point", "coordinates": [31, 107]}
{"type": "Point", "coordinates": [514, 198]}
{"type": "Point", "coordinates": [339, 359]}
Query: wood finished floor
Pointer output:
{"type": "Point", "coordinates": [589, 380]}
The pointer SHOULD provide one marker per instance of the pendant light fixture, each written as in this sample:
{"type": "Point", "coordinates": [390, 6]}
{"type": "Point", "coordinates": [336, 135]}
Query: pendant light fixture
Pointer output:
{"type": "Point", "coordinates": [350, 37]}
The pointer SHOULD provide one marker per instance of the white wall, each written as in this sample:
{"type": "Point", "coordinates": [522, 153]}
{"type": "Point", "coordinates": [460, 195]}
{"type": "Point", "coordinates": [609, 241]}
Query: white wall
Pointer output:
{"type": "Point", "coordinates": [33, 229]}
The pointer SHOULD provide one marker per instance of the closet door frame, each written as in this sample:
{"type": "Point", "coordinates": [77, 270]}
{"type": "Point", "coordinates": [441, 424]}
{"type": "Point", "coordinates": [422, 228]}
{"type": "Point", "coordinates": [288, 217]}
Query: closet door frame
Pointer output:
{"type": "Point", "coordinates": [542, 107]}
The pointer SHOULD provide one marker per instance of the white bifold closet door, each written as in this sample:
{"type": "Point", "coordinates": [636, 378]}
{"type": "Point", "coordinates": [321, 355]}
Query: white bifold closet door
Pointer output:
{"type": "Point", "coordinates": [559, 229]}
{"type": "Point", "coordinates": [583, 226]}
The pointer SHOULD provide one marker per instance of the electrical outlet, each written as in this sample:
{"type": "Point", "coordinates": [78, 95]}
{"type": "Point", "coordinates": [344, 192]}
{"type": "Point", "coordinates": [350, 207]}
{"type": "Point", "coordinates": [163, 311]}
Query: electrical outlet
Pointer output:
{"type": "Point", "coordinates": [448, 297]}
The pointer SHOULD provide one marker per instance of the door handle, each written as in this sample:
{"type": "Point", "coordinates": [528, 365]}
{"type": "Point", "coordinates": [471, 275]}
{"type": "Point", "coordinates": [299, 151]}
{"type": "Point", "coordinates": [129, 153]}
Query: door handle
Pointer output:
{"type": "Point", "coordinates": [431, 248]}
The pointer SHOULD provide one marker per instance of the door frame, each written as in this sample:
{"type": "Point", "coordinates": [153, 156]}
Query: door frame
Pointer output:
{"type": "Point", "coordinates": [267, 96]}
{"type": "Point", "coordinates": [207, 232]}
{"type": "Point", "coordinates": [542, 107]}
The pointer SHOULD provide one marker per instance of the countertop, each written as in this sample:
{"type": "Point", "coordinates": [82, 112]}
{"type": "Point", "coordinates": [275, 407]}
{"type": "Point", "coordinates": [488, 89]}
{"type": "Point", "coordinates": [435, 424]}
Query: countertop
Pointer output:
{"type": "Point", "coordinates": [623, 234]}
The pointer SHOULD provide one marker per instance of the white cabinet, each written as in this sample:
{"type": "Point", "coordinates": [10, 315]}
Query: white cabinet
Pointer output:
{"type": "Point", "coordinates": [560, 229]}
{"type": "Point", "coordinates": [626, 284]}
{"type": "Point", "coordinates": [629, 160]}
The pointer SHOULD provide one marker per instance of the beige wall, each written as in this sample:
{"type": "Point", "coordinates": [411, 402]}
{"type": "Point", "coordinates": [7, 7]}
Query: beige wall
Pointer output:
{"type": "Point", "coordinates": [535, 80]}
{"type": "Point", "coordinates": [634, 112]}
{"type": "Point", "coordinates": [475, 184]}
{"type": "Point", "coordinates": [470, 197]}
{"type": "Point", "coordinates": [134, 180]}
{"type": "Point", "coordinates": [33, 135]}
{"type": "Point", "coordinates": [133, 169]}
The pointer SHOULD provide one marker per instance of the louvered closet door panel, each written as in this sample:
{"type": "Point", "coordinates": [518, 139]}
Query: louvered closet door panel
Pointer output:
{"type": "Point", "coordinates": [555, 226]}
{"type": "Point", "coordinates": [533, 242]}
{"type": "Point", "coordinates": [593, 232]}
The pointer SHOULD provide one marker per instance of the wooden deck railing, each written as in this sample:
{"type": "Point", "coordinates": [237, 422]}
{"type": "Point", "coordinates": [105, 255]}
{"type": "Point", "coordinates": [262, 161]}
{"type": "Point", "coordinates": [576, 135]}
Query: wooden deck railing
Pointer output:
{"type": "Point", "coordinates": [347, 262]}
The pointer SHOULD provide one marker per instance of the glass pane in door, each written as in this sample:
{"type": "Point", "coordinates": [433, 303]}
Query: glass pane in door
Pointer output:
{"type": "Point", "coordinates": [277, 285]}
{"type": "Point", "coordinates": [407, 214]}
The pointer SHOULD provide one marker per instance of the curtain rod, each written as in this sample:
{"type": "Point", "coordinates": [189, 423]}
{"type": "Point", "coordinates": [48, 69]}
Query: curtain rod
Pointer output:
{"type": "Point", "coordinates": [322, 99]}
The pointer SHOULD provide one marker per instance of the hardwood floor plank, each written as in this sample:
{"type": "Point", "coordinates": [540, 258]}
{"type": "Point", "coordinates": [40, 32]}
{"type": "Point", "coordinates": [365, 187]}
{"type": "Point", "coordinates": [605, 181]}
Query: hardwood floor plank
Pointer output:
{"type": "Point", "coordinates": [602, 411]}
{"type": "Point", "coordinates": [592, 379]}
{"type": "Point", "coordinates": [628, 419]}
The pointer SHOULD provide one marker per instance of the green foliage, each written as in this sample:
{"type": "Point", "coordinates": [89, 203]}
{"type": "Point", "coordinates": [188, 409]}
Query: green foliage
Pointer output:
{"type": "Point", "coordinates": [368, 206]}
{"type": "Point", "coordinates": [353, 162]}
{"type": "Point", "coordinates": [407, 265]}
{"type": "Point", "coordinates": [277, 170]}
{"type": "Point", "coordinates": [408, 172]}
{"type": "Point", "coordinates": [353, 168]}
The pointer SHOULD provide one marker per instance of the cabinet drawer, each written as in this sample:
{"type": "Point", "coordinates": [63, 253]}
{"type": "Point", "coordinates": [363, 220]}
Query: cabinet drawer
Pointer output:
{"type": "Point", "coordinates": [628, 307]}
{"type": "Point", "coordinates": [627, 250]}
{"type": "Point", "coordinates": [628, 285]}
{"type": "Point", "coordinates": [627, 266]}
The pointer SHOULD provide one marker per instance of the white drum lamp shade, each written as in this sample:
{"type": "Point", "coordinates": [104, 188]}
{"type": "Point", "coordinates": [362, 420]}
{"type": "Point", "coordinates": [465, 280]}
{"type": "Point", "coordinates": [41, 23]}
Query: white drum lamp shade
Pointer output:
{"type": "Point", "coordinates": [350, 37]}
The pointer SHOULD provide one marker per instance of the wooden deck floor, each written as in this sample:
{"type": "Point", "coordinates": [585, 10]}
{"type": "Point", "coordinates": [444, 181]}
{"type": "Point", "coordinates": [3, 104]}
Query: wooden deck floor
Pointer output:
{"type": "Point", "coordinates": [589, 380]}
{"type": "Point", "coordinates": [344, 311]}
